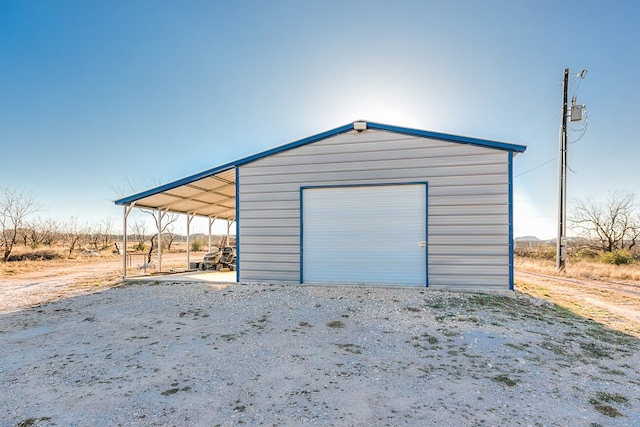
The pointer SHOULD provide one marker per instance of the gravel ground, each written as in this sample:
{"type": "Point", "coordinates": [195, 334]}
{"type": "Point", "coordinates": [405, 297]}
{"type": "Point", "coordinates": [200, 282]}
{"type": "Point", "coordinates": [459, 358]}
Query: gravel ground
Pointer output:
{"type": "Point", "coordinates": [216, 355]}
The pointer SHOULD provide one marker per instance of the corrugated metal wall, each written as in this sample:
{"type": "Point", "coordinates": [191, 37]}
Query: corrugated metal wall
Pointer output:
{"type": "Point", "coordinates": [468, 205]}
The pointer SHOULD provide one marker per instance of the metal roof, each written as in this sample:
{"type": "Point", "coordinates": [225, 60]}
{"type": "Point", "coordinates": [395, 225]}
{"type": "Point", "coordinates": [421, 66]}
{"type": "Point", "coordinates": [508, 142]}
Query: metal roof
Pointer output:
{"type": "Point", "coordinates": [212, 193]}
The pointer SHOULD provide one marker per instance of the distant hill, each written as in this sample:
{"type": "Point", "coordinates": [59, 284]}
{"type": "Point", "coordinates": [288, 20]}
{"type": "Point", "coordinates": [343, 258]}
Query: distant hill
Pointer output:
{"type": "Point", "coordinates": [527, 239]}
{"type": "Point", "coordinates": [534, 239]}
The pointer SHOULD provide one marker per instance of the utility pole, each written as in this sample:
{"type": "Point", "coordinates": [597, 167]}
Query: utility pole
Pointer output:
{"type": "Point", "coordinates": [575, 114]}
{"type": "Point", "coordinates": [561, 244]}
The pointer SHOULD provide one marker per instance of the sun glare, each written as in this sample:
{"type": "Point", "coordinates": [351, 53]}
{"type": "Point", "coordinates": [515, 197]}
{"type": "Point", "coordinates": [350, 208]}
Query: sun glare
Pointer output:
{"type": "Point", "coordinates": [529, 218]}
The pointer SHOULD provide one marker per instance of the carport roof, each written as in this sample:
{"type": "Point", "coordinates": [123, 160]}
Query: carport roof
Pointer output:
{"type": "Point", "coordinates": [212, 193]}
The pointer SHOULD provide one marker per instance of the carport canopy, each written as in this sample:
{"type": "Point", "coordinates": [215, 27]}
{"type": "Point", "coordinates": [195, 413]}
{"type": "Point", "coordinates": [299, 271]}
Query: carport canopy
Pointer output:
{"type": "Point", "coordinates": [209, 194]}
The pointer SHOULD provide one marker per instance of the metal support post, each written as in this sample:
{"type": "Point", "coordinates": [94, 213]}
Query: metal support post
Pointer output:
{"type": "Point", "coordinates": [211, 221]}
{"type": "Point", "coordinates": [189, 219]}
{"type": "Point", "coordinates": [159, 219]}
{"type": "Point", "coordinates": [125, 213]}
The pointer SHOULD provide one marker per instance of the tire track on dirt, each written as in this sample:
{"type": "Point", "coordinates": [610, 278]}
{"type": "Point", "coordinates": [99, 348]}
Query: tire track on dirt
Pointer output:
{"type": "Point", "coordinates": [619, 301]}
{"type": "Point", "coordinates": [630, 289]}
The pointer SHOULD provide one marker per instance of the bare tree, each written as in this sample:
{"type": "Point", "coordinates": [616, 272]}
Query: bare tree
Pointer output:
{"type": "Point", "coordinates": [107, 236]}
{"type": "Point", "coordinates": [40, 232]}
{"type": "Point", "coordinates": [99, 234]}
{"type": "Point", "coordinates": [610, 226]}
{"type": "Point", "coordinates": [25, 234]}
{"type": "Point", "coordinates": [50, 231]}
{"type": "Point", "coordinates": [74, 234]}
{"type": "Point", "coordinates": [139, 229]}
{"type": "Point", "coordinates": [161, 224]}
{"type": "Point", "coordinates": [32, 234]}
{"type": "Point", "coordinates": [94, 235]}
{"type": "Point", "coordinates": [151, 247]}
{"type": "Point", "coordinates": [170, 237]}
{"type": "Point", "coordinates": [15, 206]}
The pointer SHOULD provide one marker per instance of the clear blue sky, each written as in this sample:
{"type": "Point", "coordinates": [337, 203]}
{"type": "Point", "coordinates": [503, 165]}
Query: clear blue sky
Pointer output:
{"type": "Point", "coordinates": [97, 94]}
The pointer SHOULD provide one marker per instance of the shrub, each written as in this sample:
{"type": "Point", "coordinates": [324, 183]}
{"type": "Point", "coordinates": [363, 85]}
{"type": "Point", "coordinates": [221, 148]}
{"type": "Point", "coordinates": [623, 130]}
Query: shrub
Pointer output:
{"type": "Point", "coordinates": [197, 246]}
{"type": "Point", "coordinates": [537, 251]}
{"type": "Point", "coordinates": [617, 257]}
{"type": "Point", "coordinates": [45, 255]}
{"type": "Point", "coordinates": [141, 247]}
{"type": "Point", "coordinates": [587, 253]}
{"type": "Point", "coordinates": [545, 252]}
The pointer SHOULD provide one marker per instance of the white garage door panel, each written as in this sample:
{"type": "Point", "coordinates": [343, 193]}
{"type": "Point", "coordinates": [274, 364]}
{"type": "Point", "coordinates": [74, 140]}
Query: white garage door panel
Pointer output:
{"type": "Point", "coordinates": [368, 234]}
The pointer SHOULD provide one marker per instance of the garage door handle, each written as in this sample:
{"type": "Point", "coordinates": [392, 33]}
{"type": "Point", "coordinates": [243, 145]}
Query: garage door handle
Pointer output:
{"type": "Point", "coordinates": [422, 244]}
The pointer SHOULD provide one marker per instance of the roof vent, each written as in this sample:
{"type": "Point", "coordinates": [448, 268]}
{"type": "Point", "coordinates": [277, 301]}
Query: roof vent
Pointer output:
{"type": "Point", "coordinates": [360, 126]}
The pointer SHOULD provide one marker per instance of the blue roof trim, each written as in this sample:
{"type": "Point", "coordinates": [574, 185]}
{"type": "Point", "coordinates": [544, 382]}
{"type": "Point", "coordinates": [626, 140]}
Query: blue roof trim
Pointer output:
{"type": "Point", "coordinates": [315, 138]}
{"type": "Point", "coordinates": [305, 141]}
{"type": "Point", "coordinates": [227, 166]}
{"type": "Point", "coordinates": [448, 137]}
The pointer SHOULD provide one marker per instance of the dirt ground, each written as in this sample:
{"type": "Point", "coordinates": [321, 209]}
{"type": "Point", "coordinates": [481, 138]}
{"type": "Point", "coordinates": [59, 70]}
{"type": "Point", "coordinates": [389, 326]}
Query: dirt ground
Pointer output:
{"type": "Point", "coordinates": [46, 281]}
{"type": "Point", "coordinates": [611, 302]}
{"type": "Point", "coordinates": [82, 349]}
{"type": "Point", "coordinates": [614, 303]}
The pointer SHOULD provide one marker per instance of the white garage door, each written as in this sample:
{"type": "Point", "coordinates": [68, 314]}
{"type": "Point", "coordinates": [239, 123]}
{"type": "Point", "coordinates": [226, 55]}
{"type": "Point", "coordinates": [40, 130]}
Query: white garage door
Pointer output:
{"type": "Point", "coordinates": [365, 234]}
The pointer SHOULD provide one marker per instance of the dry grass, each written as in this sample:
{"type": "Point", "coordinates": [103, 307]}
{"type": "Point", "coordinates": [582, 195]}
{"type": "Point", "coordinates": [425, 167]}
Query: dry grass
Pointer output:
{"type": "Point", "coordinates": [580, 269]}
{"type": "Point", "coordinates": [66, 261]}
{"type": "Point", "coordinates": [22, 267]}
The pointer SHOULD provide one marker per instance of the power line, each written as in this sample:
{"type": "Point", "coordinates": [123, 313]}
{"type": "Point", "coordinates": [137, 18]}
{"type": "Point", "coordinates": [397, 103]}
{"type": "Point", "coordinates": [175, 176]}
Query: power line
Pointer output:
{"type": "Point", "coordinates": [539, 166]}
{"type": "Point", "coordinates": [543, 127]}
{"type": "Point", "coordinates": [532, 113]}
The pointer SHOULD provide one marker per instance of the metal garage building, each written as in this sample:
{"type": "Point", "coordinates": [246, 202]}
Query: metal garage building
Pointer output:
{"type": "Point", "coordinates": [364, 203]}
